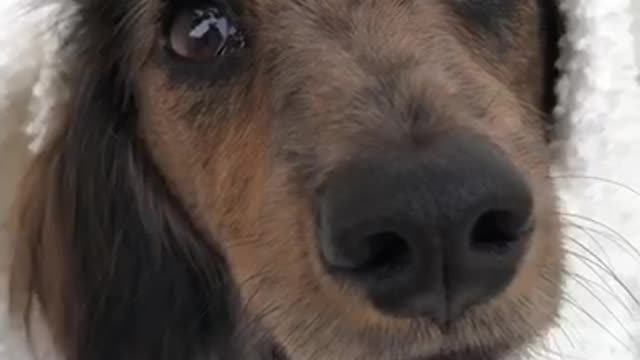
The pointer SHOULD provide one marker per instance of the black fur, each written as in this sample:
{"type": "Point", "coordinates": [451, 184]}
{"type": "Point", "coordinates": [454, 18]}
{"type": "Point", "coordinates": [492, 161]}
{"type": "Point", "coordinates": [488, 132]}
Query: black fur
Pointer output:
{"type": "Point", "coordinates": [144, 283]}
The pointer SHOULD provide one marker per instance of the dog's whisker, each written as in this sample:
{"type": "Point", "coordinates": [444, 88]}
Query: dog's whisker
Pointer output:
{"type": "Point", "coordinates": [304, 327]}
{"type": "Point", "coordinates": [256, 317]}
{"type": "Point", "coordinates": [589, 284]}
{"type": "Point", "coordinates": [545, 352]}
{"type": "Point", "coordinates": [604, 305]}
{"type": "Point", "coordinates": [620, 241]}
{"type": "Point", "coordinates": [591, 258]}
{"type": "Point", "coordinates": [271, 308]}
{"type": "Point", "coordinates": [596, 260]}
{"type": "Point", "coordinates": [304, 332]}
{"type": "Point", "coordinates": [567, 299]}
{"type": "Point", "coordinates": [249, 325]}
{"type": "Point", "coordinates": [567, 336]}
{"type": "Point", "coordinates": [574, 177]}
{"type": "Point", "coordinates": [580, 246]}
{"type": "Point", "coordinates": [209, 306]}
{"type": "Point", "coordinates": [257, 277]}
{"type": "Point", "coordinates": [592, 236]}
{"type": "Point", "coordinates": [558, 322]}
{"type": "Point", "coordinates": [327, 344]}
{"type": "Point", "coordinates": [608, 271]}
{"type": "Point", "coordinates": [617, 234]}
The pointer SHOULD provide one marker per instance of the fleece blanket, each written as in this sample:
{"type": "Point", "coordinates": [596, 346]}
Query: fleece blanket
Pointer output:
{"type": "Point", "coordinates": [599, 179]}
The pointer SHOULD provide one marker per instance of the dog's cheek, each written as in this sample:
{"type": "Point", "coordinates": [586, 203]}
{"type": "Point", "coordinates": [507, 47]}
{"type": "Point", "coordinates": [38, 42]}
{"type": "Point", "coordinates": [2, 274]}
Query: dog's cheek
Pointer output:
{"type": "Point", "coordinates": [218, 163]}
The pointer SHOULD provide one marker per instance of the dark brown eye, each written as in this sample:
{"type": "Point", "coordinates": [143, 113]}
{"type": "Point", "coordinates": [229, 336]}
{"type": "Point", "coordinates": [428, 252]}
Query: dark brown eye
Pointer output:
{"type": "Point", "coordinates": [204, 34]}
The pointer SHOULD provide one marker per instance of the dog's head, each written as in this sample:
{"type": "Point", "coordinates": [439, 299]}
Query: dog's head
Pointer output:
{"type": "Point", "coordinates": [308, 179]}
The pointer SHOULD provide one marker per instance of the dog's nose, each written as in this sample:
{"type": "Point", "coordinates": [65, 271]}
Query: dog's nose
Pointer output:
{"type": "Point", "coordinates": [430, 232]}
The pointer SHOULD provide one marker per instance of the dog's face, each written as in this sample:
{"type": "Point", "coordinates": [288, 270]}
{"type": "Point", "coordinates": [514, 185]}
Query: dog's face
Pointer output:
{"type": "Point", "coordinates": [369, 178]}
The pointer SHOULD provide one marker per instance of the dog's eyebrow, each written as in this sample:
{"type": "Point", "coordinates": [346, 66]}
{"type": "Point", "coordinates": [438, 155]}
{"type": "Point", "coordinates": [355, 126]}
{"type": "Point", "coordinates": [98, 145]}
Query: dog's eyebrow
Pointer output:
{"type": "Point", "coordinates": [491, 16]}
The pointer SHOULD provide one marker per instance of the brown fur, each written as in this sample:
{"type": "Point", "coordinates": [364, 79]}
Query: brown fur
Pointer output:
{"type": "Point", "coordinates": [215, 178]}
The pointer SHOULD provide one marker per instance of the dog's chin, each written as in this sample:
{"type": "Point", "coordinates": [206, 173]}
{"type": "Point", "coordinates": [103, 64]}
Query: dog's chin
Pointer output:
{"type": "Point", "coordinates": [466, 355]}
{"type": "Point", "coordinates": [277, 353]}
{"type": "Point", "coordinates": [407, 350]}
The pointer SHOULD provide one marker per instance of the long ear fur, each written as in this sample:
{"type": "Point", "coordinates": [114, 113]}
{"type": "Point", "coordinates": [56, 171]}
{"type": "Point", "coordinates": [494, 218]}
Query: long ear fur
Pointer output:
{"type": "Point", "coordinates": [106, 250]}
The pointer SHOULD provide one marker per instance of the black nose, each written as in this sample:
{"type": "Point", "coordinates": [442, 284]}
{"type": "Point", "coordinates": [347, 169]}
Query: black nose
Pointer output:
{"type": "Point", "coordinates": [429, 232]}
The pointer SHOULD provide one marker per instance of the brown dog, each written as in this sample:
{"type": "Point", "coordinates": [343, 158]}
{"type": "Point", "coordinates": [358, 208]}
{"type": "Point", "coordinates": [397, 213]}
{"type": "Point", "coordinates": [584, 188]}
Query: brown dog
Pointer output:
{"type": "Point", "coordinates": [297, 179]}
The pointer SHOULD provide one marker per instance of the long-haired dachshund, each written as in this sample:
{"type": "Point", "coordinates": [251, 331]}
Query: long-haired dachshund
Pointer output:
{"type": "Point", "coordinates": [297, 179]}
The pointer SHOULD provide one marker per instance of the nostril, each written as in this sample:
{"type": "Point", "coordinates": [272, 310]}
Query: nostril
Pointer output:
{"type": "Point", "coordinates": [376, 254]}
{"type": "Point", "coordinates": [497, 230]}
{"type": "Point", "coordinates": [387, 251]}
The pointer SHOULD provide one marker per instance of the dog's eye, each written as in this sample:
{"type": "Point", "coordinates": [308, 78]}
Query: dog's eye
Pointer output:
{"type": "Point", "coordinates": [204, 34]}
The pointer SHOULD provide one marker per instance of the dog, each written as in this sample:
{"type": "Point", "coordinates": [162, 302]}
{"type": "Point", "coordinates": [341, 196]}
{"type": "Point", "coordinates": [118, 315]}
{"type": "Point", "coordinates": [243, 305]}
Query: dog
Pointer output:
{"type": "Point", "coordinates": [297, 179]}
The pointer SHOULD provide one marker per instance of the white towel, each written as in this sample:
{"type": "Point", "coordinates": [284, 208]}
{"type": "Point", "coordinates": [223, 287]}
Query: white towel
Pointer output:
{"type": "Point", "coordinates": [599, 98]}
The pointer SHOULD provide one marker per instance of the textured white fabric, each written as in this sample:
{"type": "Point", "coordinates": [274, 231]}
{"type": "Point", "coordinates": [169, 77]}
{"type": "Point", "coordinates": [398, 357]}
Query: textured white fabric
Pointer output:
{"type": "Point", "coordinates": [29, 89]}
{"type": "Point", "coordinates": [599, 99]}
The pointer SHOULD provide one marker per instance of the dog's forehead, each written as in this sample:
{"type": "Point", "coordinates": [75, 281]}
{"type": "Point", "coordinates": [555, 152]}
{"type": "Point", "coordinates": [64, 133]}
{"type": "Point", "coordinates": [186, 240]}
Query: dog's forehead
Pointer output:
{"type": "Point", "coordinates": [489, 14]}
{"type": "Point", "coordinates": [355, 12]}
{"type": "Point", "coordinates": [486, 15]}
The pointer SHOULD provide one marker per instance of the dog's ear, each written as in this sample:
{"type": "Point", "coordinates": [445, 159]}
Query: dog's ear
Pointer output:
{"type": "Point", "coordinates": [105, 249]}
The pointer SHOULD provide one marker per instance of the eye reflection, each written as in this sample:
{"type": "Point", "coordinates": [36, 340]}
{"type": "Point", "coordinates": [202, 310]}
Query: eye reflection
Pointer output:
{"type": "Point", "coordinates": [205, 34]}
